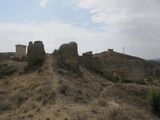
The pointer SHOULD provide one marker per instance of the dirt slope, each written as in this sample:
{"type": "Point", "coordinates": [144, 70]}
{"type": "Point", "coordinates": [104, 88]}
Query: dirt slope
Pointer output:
{"type": "Point", "coordinates": [53, 93]}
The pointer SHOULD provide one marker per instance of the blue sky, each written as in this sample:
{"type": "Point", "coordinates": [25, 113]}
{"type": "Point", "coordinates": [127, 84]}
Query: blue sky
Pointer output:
{"type": "Point", "coordinates": [94, 24]}
{"type": "Point", "coordinates": [21, 11]}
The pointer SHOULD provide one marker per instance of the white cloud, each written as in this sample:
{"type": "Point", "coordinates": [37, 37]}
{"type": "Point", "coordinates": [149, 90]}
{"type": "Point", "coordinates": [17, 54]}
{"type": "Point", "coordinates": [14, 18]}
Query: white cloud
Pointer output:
{"type": "Point", "coordinates": [130, 23]}
{"type": "Point", "coordinates": [135, 21]}
{"type": "Point", "coordinates": [109, 11]}
{"type": "Point", "coordinates": [54, 34]}
{"type": "Point", "coordinates": [43, 3]}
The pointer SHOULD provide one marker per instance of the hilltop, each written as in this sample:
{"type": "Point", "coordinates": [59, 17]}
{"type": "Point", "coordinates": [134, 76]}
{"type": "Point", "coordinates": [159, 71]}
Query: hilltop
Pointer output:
{"type": "Point", "coordinates": [66, 86]}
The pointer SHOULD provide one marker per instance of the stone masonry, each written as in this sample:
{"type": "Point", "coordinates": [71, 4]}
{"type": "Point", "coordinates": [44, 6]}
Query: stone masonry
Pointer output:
{"type": "Point", "coordinates": [35, 53]}
{"type": "Point", "coordinates": [20, 51]}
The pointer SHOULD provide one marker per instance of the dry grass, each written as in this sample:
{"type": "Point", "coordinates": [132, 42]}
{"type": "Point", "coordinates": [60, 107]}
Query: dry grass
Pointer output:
{"type": "Point", "coordinates": [47, 95]}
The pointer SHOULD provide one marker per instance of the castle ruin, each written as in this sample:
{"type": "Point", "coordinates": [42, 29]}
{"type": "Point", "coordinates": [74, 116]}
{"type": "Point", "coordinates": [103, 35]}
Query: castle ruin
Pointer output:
{"type": "Point", "coordinates": [35, 53]}
{"type": "Point", "coordinates": [20, 51]}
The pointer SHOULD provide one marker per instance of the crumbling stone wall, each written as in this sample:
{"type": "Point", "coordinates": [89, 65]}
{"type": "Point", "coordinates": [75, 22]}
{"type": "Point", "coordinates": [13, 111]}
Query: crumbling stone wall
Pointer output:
{"type": "Point", "coordinates": [86, 59]}
{"type": "Point", "coordinates": [68, 56]}
{"type": "Point", "coordinates": [87, 54]}
{"type": "Point", "coordinates": [91, 62]}
{"type": "Point", "coordinates": [20, 51]}
{"type": "Point", "coordinates": [35, 53]}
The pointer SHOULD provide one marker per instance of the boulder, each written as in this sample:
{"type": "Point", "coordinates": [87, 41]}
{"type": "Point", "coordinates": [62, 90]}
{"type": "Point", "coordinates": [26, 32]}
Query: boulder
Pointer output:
{"type": "Point", "coordinates": [35, 53]}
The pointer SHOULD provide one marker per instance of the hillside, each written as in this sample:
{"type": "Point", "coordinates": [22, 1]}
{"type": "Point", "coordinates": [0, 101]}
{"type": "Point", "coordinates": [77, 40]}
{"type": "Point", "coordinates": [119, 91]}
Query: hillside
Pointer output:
{"type": "Point", "coordinates": [103, 86]}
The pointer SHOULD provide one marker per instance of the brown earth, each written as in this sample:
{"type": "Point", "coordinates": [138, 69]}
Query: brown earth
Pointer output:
{"type": "Point", "coordinates": [55, 93]}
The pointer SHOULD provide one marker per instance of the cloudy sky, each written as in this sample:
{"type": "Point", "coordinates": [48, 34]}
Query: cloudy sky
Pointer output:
{"type": "Point", "coordinates": [94, 24]}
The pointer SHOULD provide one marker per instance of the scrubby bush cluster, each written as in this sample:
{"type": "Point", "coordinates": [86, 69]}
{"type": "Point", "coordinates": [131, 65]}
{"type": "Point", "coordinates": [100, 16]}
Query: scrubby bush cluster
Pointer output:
{"type": "Point", "coordinates": [155, 98]}
{"type": "Point", "coordinates": [6, 70]}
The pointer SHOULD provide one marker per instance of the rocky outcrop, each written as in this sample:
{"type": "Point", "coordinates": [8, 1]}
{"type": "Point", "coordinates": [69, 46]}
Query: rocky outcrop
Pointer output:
{"type": "Point", "coordinates": [36, 53]}
{"type": "Point", "coordinates": [68, 56]}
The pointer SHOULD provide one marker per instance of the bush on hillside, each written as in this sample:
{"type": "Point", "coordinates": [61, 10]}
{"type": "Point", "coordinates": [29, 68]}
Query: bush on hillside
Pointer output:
{"type": "Point", "coordinates": [155, 98]}
{"type": "Point", "coordinates": [6, 70]}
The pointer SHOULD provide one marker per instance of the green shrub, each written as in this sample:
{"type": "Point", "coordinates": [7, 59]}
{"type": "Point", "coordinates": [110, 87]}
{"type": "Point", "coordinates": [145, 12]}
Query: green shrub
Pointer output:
{"type": "Point", "coordinates": [155, 98]}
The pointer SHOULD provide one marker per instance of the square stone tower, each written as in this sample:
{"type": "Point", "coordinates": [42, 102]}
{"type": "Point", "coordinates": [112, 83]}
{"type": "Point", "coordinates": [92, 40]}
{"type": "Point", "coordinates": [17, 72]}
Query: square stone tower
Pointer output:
{"type": "Point", "coordinates": [20, 51]}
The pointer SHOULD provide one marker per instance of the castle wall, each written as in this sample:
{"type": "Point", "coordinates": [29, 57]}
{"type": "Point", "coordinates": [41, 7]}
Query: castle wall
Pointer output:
{"type": "Point", "coordinates": [20, 51]}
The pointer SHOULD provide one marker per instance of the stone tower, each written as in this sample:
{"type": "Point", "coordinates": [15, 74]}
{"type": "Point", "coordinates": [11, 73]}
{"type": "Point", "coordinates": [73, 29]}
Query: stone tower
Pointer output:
{"type": "Point", "coordinates": [35, 53]}
{"type": "Point", "coordinates": [20, 51]}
